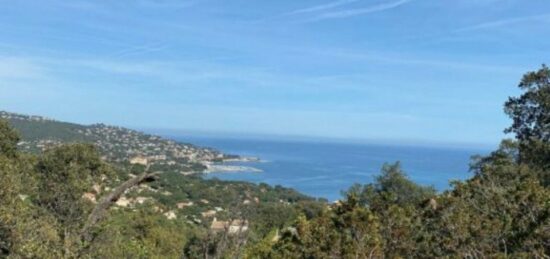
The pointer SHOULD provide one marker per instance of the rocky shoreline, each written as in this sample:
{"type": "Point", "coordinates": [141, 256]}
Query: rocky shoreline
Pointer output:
{"type": "Point", "coordinates": [243, 159]}
{"type": "Point", "coordinates": [212, 167]}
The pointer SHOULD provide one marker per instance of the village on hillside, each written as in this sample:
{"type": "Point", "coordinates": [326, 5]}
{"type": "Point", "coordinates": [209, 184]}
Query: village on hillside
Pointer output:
{"type": "Point", "coordinates": [128, 148]}
{"type": "Point", "coordinates": [120, 145]}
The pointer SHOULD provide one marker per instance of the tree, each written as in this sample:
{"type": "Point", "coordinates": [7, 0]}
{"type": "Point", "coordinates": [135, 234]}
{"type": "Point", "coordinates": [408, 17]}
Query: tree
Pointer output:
{"type": "Point", "coordinates": [530, 114]}
{"type": "Point", "coordinates": [505, 155]}
{"type": "Point", "coordinates": [8, 139]}
{"type": "Point", "coordinates": [10, 204]}
{"type": "Point", "coordinates": [503, 211]}
{"type": "Point", "coordinates": [25, 230]}
{"type": "Point", "coordinates": [347, 230]}
{"type": "Point", "coordinates": [396, 201]}
{"type": "Point", "coordinates": [65, 173]}
{"type": "Point", "coordinates": [392, 187]}
{"type": "Point", "coordinates": [138, 233]}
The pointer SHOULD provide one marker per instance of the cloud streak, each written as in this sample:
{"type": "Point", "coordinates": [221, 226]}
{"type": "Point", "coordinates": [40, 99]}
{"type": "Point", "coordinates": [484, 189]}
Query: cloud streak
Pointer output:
{"type": "Point", "coordinates": [504, 22]}
{"type": "Point", "coordinates": [166, 4]}
{"type": "Point", "coordinates": [359, 11]}
{"type": "Point", "coordinates": [138, 50]}
{"type": "Point", "coordinates": [19, 68]}
{"type": "Point", "coordinates": [322, 7]}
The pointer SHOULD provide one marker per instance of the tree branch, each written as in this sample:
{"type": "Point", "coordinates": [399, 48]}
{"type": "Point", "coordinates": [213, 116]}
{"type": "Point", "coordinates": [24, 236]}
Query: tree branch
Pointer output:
{"type": "Point", "coordinates": [107, 201]}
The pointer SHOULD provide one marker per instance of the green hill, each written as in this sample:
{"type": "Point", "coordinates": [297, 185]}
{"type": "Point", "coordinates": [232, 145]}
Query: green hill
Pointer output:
{"type": "Point", "coordinates": [116, 144]}
{"type": "Point", "coordinates": [33, 128]}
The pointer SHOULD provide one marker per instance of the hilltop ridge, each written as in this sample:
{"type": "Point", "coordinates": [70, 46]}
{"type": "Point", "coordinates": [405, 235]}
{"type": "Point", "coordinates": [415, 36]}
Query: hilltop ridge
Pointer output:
{"type": "Point", "coordinates": [130, 151]}
{"type": "Point", "coordinates": [116, 144]}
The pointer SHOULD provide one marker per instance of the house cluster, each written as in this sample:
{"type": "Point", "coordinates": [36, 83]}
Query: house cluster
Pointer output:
{"type": "Point", "coordinates": [211, 213]}
{"type": "Point", "coordinates": [232, 227]}
{"type": "Point", "coordinates": [121, 145]}
{"type": "Point", "coordinates": [126, 202]}
{"type": "Point", "coordinates": [38, 145]}
{"type": "Point", "coordinates": [15, 116]}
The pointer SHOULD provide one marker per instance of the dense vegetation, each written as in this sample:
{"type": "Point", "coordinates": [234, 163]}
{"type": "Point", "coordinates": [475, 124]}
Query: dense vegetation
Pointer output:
{"type": "Point", "coordinates": [116, 145]}
{"type": "Point", "coordinates": [45, 213]}
{"type": "Point", "coordinates": [503, 211]}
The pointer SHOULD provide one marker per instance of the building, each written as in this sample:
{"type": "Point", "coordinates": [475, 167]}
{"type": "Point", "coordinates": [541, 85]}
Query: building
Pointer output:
{"type": "Point", "coordinates": [170, 215]}
{"type": "Point", "coordinates": [235, 227]}
{"type": "Point", "coordinates": [123, 202]}
{"type": "Point", "coordinates": [157, 157]}
{"type": "Point", "coordinates": [89, 196]}
{"type": "Point", "coordinates": [142, 200]}
{"type": "Point", "coordinates": [238, 226]}
{"type": "Point", "coordinates": [182, 205]}
{"type": "Point", "coordinates": [138, 160]}
{"type": "Point", "coordinates": [208, 213]}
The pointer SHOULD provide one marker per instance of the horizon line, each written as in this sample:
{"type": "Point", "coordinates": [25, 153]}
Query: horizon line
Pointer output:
{"type": "Point", "coordinates": [173, 132]}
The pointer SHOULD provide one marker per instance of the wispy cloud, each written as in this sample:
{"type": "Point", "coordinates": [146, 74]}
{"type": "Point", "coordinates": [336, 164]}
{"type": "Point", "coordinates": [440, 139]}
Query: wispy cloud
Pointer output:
{"type": "Point", "coordinates": [188, 73]}
{"type": "Point", "coordinates": [322, 7]}
{"type": "Point", "coordinates": [19, 68]}
{"type": "Point", "coordinates": [409, 59]}
{"type": "Point", "coordinates": [504, 22]}
{"type": "Point", "coordinates": [359, 11]}
{"type": "Point", "coordinates": [142, 49]}
{"type": "Point", "coordinates": [166, 3]}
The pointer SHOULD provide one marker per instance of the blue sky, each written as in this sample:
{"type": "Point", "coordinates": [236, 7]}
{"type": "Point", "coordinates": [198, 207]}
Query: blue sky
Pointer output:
{"type": "Point", "coordinates": [399, 70]}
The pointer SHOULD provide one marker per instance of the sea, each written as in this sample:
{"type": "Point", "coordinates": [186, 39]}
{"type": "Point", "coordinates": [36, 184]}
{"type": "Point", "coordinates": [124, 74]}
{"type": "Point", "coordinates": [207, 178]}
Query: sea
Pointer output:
{"type": "Point", "coordinates": [325, 169]}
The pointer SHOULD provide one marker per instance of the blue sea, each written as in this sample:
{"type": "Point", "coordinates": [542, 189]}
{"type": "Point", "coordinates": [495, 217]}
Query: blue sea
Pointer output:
{"type": "Point", "coordinates": [325, 169]}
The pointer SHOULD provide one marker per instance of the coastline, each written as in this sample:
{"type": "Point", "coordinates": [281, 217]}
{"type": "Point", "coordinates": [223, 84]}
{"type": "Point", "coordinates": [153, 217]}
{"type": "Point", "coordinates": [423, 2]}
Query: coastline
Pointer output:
{"type": "Point", "coordinates": [221, 167]}
{"type": "Point", "coordinates": [242, 159]}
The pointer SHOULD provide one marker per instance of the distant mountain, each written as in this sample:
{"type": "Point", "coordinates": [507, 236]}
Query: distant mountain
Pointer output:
{"type": "Point", "coordinates": [116, 144]}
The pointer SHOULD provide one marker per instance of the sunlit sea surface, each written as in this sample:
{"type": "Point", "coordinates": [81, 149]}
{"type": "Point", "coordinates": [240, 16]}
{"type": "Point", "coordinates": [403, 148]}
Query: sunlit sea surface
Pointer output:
{"type": "Point", "coordinates": [322, 169]}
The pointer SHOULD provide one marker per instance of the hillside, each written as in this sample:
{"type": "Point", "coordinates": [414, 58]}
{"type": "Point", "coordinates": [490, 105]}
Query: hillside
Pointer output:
{"type": "Point", "coordinates": [180, 193]}
{"type": "Point", "coordinates": [61, 180]}
{"type": "Point", "coordinates": [116, 144]}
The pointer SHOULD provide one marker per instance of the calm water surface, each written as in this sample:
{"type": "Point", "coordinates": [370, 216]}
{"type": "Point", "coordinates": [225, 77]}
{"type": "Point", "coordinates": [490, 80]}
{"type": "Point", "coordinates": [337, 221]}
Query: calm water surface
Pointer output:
{"type": "Point", "coordinates": [325, 169]}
